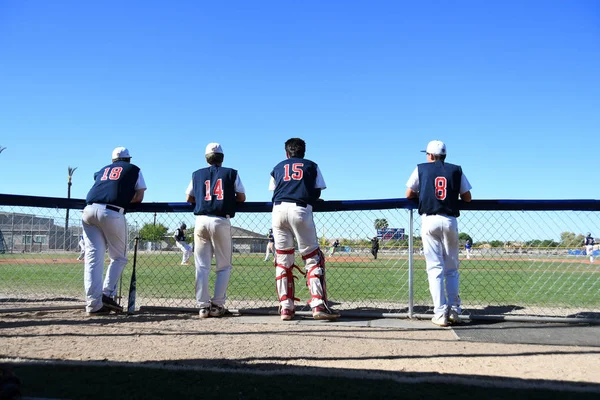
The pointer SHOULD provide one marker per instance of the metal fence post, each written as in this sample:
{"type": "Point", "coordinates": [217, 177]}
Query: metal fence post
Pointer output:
{"type": "Point", "coordinates": [410, 264]}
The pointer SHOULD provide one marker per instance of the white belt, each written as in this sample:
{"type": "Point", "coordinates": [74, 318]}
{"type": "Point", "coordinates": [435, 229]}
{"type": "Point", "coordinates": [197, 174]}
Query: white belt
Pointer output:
{"type": "Point", "coordinates": [120, 210]}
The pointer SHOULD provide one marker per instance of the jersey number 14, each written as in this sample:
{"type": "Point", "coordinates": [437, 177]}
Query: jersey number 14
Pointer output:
{"type": "Point", "coordinates": [217, 190]}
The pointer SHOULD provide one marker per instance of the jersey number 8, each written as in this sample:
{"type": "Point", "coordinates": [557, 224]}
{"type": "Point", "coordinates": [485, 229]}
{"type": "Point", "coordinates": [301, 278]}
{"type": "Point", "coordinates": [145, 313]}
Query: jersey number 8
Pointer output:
{"type": "Point", "coordinates": [440, 187]}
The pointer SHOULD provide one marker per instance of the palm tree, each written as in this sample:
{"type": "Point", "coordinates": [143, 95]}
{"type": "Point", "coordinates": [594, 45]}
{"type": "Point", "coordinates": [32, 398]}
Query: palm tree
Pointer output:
{"type": "Point", "coordinates": [381, 223]}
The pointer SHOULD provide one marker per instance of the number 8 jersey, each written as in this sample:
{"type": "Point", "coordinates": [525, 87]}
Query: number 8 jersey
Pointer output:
{"type": "Point", "coordinates": [439, 185]}
{"type": "Point", "coordinates": [296, 180]}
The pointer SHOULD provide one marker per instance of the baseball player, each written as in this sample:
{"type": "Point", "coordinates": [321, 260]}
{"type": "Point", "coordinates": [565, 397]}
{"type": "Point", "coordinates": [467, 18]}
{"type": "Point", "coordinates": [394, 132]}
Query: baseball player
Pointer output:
{"type": "Point", "coordinates": [438, 186]}
{"type": "Point", "coordinates": [82, 248]}
{"type": "Point", "coordinates": [179, 237]}
{"type": "Point", "coordinates": [270, 245]}
{"type": "Point", "coordinates": [589, 243]}
{"type": "Point", "coordinates": [374, 247]}
{"type": "Point", "coordinates": [296, 183]}
{"type": "Point", "coordinates": [104, 226]}
{"type": "Point", "coordinates": [334, 247]}
{"type": "Point", "coordinates": [468, 245]}
{"type": "Point", "coordinates": [214, 191]}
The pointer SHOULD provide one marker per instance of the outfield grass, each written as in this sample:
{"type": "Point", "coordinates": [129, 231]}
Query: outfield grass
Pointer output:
{"type": "Point", "coordinates": [512, 281]}
{"type": "Point", "coordinates": [110, 382]}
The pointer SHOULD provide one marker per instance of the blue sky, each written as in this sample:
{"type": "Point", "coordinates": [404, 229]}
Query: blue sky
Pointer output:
{"type": "Point", "coordinates": [512, 87]}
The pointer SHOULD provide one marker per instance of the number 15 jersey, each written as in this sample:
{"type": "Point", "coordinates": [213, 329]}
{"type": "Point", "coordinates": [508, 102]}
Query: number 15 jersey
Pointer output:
{"type": "Point", "coordinates": [296, 180]}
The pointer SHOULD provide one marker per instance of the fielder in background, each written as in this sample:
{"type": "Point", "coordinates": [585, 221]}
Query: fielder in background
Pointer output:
{"type": "Point", "coordinates": [214, 191]}
{"type": "Point", "coordinates": [296, 183]}
{"type": "Point", "coordinates": [438, 186]}
{"type": "Point", "coordinates": [589, 243]}
{"type": "Point", "coordinates": [374, 247]}
{"type": "Point", "coordinates": [104, 226]}
{"type": "Point", "coordinates": [334, 247]}
{"type": "Point", "coordinates": [270, 245]}
{"type": "Point", "coordinates": [468, 245]}
{"type": "Point", "coordinates": [81, 248]}
{"type": "Point", "coordinates": [179, 237]}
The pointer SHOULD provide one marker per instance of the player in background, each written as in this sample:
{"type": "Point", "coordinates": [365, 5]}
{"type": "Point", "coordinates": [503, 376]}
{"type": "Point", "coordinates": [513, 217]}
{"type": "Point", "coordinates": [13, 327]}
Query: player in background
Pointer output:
{"type": "Point", "coordinates": [82, 248]}
{"type": "Point", "coordinates": [296, 183]}
{"type": "Point", "coordinates": [589, 243]}
{"type": "Point", "coordinates": [334, 247]}
{"type": "Point", "coordinates": [181, 243]}
{"type": "Point", "coordinates": [375, 247]}
{"type": "Point", "coordinates": [116, 186]}
{"type": "Point", "coordinates": [438, 186]}
{"type": "Point", "coordinates": [214, 191]}
{"type": "Point", "coordinates": [468, 245]}
{"type": "Point", "coordinates": [270, 245]}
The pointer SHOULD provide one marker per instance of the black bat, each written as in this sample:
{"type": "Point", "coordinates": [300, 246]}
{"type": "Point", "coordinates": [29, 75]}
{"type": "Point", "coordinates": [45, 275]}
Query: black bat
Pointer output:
{"type": "Point", "coordinates": [133, 284]}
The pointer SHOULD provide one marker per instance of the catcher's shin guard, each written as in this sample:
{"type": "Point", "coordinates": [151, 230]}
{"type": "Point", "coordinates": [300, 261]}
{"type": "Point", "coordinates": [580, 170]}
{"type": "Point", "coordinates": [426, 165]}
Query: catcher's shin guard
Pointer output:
{"type": "Point", "coordinates": [284, 277]}
{"type": "Point", "coordinates": [315, 277]}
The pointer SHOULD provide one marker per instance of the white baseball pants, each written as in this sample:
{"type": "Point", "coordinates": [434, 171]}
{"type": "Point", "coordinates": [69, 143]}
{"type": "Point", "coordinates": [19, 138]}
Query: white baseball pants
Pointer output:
{"type": "Point", "coordinates": [186, 249]}
{"type": "Point", "coordinates": [212, 236]}
{"type": "Point", "coordinates": [291, 221]}
{"type": "Point", "coordinates": [440, 246]}
{"type": "Point", "coordinates": [102, 229]}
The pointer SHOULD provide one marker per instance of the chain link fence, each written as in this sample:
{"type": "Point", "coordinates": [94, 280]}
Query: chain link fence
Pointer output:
{"type": "Point", "coordinates": [527, 260]}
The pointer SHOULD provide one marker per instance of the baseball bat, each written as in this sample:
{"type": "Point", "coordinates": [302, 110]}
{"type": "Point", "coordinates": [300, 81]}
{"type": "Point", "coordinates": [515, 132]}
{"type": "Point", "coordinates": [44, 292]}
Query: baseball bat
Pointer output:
{"type": "Point", "coordinates": [133, 283]}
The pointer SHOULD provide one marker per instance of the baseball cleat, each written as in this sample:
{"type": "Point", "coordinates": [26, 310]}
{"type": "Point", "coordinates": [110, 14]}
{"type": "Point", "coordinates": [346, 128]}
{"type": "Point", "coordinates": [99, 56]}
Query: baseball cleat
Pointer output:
{"type": "Point", "coordinates": [111, 304]}
{"type": "Point", "coordinates": [440, 320]}
{"type": "Point", "coordinates": [453, 317]}
{"type": "Point", "coordinates": [217, 311]}
{"type": "Point", "coordinates": [324, 313]}
{"type": "Point", "coordinates": [102, 311]}
{"type": "Point", "coordinates": [204, 312]}
{"type": "Point", "coordinates": [287, 314]}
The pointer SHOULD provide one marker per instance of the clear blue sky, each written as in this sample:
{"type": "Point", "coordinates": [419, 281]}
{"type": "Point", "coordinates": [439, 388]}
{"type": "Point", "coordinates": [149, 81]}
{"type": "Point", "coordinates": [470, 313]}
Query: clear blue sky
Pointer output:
{"type": "Point", "coordinates": [512, 87]}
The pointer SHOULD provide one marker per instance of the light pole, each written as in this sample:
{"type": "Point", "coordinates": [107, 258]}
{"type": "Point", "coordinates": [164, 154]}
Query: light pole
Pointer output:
{"type": "Point", "coordinates": [71, 171]}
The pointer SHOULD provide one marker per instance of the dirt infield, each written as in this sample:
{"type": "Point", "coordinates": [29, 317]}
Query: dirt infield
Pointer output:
{"type": "Point", "coordinates": [413, 347]}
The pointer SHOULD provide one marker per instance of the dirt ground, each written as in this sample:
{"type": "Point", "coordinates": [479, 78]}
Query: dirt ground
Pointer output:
{"type": "Point", "coordinates": [267, 342]}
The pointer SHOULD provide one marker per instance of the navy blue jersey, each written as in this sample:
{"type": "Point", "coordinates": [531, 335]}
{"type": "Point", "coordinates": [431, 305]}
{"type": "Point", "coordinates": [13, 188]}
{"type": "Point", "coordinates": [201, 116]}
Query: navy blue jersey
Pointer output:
{"type": "Point", "coordinates": [589, 241]}
{"type": "Point", "coordinates": [214, 190]}
{"type": "Point", "coordinates": [271, 237]}
{"type": "Point", "coordinates": [295, 180]}
{"type": "Point", "coordinates": [439, 188]}
{"type": "Point", "coordinates": [115, 184]}
{"type": "Point", "coordinates": [180, 235]}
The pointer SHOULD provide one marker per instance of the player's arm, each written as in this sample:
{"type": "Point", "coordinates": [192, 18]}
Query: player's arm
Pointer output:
{"type": "Point", "coordinates": [240, 191]}
{"type": "Point", "coordinates": [466, 196]}
{"type": "Point", "coordinates": [140, 188]}
{"type": "Point", "coordinates": [188, 193]}
{"type": "Point", "coordinates": [411, 194]}
{"type": "Point", "coordinates": [412, 191]}
{"type": "Point", "coordinates": [138, 196]}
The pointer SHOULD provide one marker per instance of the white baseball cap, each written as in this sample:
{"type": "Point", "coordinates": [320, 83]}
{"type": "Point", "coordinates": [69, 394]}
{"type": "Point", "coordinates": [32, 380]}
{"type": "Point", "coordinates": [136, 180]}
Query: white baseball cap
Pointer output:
{"type": "Point", "coordinates": [435, 147]}
{"type": "Point", "coordinates": [120, 152]}
{"type": "Point", "coordinates": [213, 148]}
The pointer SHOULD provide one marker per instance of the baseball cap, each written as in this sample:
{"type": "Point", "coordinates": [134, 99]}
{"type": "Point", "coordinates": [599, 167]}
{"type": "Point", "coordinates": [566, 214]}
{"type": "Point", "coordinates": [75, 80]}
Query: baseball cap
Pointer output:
{"type": "Point", "coordinates": [435, 147]}
{"type": "Point", "coordinates": [120, 152]}
{"type": "Point", "coordinates": [213, 148]}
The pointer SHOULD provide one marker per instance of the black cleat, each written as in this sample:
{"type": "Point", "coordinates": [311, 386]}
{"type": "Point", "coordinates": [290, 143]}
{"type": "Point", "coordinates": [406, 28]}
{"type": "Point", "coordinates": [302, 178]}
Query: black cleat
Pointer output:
{"type": "Point", "coordinates": [111, 304]}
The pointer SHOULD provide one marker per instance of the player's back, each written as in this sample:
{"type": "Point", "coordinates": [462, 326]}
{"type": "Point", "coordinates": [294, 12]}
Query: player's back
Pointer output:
{"type": "Point", "coordinates": [214, 190]}
{"type": "Point", "coordinates": [439, 188]}
{"type": "Point", "coordinates": [114, 184]}
{"type": "Point", "coordinates": [295, 180]}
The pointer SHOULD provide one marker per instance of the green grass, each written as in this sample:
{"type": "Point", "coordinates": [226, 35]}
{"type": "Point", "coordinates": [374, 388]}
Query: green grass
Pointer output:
{"type": "Point", "coordinates": [507, 281]}
{"type": "Point", "coordinates": [96, 382]}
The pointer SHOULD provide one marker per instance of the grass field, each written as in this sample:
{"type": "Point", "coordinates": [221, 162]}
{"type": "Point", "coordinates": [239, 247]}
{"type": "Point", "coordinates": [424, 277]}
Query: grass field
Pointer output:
{"type": "Point", "coordinates": [544, 282]}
